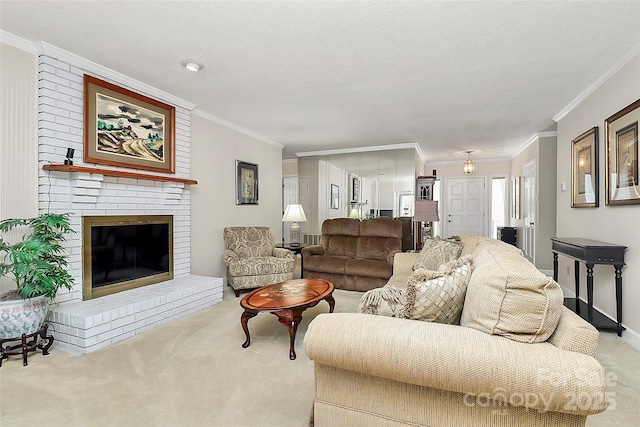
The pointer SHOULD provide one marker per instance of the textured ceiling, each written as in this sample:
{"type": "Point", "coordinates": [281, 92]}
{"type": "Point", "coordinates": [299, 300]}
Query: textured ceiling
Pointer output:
{"type": "Point", "coordinates": [451, 76]}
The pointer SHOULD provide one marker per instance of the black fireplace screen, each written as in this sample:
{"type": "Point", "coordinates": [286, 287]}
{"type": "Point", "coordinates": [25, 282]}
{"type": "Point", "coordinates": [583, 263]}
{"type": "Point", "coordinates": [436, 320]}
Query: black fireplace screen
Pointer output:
{"type": "Point", "coordinates": [126, 252]}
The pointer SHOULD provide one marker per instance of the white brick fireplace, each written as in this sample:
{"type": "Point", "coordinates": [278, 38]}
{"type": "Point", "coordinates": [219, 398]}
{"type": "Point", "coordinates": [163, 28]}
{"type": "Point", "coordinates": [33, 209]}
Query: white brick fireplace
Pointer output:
{"type": "Point", "coordinates": [84, 326]}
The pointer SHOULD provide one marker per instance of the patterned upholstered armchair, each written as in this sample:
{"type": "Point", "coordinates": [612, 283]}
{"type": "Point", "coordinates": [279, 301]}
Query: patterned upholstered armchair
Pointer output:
{"type": "Point", "coordinates": [252, 259]}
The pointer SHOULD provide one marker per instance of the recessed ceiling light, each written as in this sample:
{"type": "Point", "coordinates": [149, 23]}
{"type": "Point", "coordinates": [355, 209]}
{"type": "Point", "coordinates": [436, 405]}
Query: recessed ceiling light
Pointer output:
{"type": "Point", "coordinates": [192, 65]}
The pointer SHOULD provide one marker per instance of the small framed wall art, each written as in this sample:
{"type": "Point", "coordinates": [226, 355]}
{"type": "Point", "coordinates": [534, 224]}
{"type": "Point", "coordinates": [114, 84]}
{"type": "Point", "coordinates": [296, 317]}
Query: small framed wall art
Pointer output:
{"type": "Point", "coordinates": [355, 189]}
{"type": "Point", "coordinates": [246, 183]}
{"type": "Point", "coordinates": [621, 133]}
{"type": "Point", "coordinates": [335, 196]}
{"type": "Point", "coordinates": [124, 128]}
{"type": "Point", "coordinates": [584, 170]}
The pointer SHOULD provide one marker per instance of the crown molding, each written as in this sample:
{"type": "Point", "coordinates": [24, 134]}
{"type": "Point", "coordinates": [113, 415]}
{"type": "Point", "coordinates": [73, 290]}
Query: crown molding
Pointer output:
{"type": "Point", "coordinates": [18, 42]}
{"type": "Point", "coordinates": [227, 124]}
{"type": "Point", "coordinates": [370, 148]}
{"type": "Point", "coordinates": [534, 138]}
{"type": "Point", "coordinates": [615, 67]}
{"type": "Point", "coordinates": [451, 162]}
{"type": "Point", "coordinates": [104, 72]}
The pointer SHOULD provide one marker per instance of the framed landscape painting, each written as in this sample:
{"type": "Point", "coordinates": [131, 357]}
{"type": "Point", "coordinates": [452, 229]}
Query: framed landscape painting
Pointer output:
{"type": "Point", "coordinates": [621, 130]}
{"type": "Point", "coordinates": [584, 170]}
{"type": "Point", "coordinates": [127, 129]}
{"type": "Point", "coordinates": [246, 183]}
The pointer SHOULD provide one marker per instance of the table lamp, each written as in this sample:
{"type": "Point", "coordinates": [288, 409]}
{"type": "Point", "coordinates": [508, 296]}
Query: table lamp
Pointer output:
{"type": "Point", "coordinates": [356, 213]}
{"type": "Point", "coordinates": [427, 211]}
{"type": "Point", "coordinates": [294, 213]}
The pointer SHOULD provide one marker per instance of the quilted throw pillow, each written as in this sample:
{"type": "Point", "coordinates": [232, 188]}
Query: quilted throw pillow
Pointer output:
{"type": "Point", "coordinates": [438, 296]}
{"type": "Point", "coordinates": [385, 301]}
{"type": "Point", "coordinates": [437, 252]}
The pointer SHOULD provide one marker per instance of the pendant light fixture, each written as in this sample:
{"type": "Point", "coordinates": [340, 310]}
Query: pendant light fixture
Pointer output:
{"type": "Point", "coordinates": [469, 167]}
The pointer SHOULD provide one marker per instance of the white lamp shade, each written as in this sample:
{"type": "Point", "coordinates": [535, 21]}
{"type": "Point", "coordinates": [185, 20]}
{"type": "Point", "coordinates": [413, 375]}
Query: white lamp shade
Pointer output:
{"type": "Point", "coordinates": [426, 210]}
{"type": "Point", "coordinates": [294, 213]}
{"type": "Point", "coordinates": [356, 213]}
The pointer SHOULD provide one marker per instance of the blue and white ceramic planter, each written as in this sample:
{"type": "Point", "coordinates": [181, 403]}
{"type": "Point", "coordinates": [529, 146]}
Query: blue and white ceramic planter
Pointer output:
{"type": "Point", "coordinates": [19, 317]}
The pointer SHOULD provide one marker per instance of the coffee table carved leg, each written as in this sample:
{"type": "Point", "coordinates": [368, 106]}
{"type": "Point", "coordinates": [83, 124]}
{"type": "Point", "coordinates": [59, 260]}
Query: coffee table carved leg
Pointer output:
{"type": "Point", "coordinates": [243, 321]}
{"type": "Point", "coordinates": [332, 303]}
{"type": "Point", "coordinates": [290, 319]}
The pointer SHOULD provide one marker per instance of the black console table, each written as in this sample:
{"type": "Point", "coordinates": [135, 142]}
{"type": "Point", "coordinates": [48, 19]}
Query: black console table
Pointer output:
{"type": "Point", "coordinates": [591, 252]}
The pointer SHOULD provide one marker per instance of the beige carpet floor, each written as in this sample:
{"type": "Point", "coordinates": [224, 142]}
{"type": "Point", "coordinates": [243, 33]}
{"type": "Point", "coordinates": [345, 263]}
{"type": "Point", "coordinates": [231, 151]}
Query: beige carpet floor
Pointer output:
{"type": "Point", "coordinates": [194, 372]}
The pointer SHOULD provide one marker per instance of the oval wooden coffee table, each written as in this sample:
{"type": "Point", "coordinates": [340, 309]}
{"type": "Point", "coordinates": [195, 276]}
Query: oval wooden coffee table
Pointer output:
{"type": "Point", "coordinates": [287, 300]}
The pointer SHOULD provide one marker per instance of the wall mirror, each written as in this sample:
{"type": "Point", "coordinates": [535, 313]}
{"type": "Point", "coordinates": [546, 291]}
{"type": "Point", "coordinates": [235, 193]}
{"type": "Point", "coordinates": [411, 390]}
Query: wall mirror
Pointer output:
{"type": "Point", "coordinates": [370, 184]}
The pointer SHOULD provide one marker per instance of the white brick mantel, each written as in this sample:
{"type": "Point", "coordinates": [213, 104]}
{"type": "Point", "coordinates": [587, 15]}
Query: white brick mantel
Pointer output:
{"type": "Point", "coordinates": [86, 326]}
{"type": "Point", "coordinates": [60, 126]}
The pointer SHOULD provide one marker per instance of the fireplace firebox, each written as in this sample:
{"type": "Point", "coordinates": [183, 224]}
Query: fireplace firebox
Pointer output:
{"type": "Point", "coordinates": [125, 252]}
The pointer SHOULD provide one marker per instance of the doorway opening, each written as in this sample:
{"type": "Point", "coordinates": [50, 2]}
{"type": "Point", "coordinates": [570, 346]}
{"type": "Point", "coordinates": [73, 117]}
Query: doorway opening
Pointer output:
{"type": "Point", "coordinates": [498, 204]}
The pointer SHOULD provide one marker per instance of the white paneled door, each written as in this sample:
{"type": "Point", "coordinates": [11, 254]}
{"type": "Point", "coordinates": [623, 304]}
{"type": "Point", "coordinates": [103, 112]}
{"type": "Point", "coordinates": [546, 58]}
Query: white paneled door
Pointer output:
{"type": "Point", "coordinates": [465, 206]}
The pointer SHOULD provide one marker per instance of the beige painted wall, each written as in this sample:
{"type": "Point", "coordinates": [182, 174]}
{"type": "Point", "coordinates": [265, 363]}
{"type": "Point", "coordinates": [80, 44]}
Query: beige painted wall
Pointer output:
{"type": "Point", "coordinates": [542, 150]}
{"type": "Point", "coordinates": [18, 137]}
{"type": "Point", "coordinates": [214, 150]}
{"type": "Point", "coordinates": [290, 167]}
{"type": "Point", "coordinates": [18, 133]}
{"type": "Point", "coordinates": [613, 224]}
{"type": "Point", "coordinates": [454, 169]}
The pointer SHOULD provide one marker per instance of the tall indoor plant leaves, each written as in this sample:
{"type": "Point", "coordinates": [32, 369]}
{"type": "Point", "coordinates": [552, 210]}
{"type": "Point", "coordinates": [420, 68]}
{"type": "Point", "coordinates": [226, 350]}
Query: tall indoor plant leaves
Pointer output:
{"type": "Point", "coordinates": [37, 263]}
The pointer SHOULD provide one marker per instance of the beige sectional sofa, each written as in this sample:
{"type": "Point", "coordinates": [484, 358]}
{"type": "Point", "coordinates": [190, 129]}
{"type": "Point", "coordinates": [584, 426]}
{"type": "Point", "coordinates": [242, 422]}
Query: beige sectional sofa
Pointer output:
{"type": "Point", "coordinates": [520, 358]}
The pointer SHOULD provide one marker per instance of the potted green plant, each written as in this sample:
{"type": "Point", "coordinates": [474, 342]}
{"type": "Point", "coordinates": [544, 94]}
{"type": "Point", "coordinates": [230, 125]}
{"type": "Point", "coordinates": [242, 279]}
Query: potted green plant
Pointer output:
{"type": "Point", "coordinates": [37, 263]}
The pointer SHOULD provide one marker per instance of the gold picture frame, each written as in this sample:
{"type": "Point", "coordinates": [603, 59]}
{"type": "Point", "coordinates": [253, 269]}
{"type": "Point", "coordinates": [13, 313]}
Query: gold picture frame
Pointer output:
{"type": "Point", "coordinates": [127, 129]}
{"type": "Point", "coordinates": [584, 170]}
{"type": "Point", "coordinates": [621, 134]}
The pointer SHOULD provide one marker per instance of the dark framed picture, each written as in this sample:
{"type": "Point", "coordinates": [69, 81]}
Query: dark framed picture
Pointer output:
{"type": "Point", "coordinates": [584, 170]}
{"type": "Point", "coordinates": [621, 133]}
{"type": "Point", "coordinates": [127, 129]}
{"type": "Point", "coordinates": [335, 196]}
{"type": "Point", "coordinates": [355, 189]}
{"type": "Point", "coordinates": [246, 183]}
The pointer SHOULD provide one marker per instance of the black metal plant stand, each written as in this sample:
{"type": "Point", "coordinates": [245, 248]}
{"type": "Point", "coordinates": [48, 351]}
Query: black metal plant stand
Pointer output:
{"type": "Point", "coordinates": [26, 346]}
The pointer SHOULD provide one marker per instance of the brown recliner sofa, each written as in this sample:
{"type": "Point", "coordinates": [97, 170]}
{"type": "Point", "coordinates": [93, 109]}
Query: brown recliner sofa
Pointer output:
{"type": "Point", "coordinates": [354, 255]}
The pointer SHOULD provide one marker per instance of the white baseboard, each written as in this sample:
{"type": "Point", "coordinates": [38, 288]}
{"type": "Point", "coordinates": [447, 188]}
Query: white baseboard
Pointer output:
{"type": "Point", "coordinates": [630, 336]}
{"type": "Point", "coordinates": [548, 273]}
{"type": "Point", "coordinates": [567, 293]}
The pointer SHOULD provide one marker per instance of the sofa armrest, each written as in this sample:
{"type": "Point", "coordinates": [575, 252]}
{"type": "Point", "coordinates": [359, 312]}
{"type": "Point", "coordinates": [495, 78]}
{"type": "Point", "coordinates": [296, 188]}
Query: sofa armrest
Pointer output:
{"type": "Point", "coordinates": [403, 263]}
{"type": "Point", "coordinates": [573, 333]}
{"type": "Point", "coordinates": [228, 256]}
{"type": "Point", "coordinates": [283, 253]}
{"type": "Point", "coordinates": [458, 359]}
{"type": "Point", "coordinates": [312, 250]}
